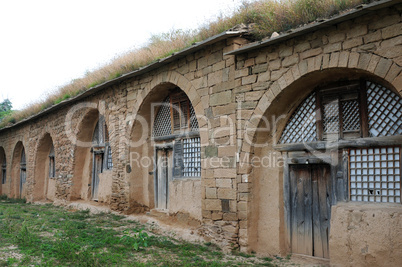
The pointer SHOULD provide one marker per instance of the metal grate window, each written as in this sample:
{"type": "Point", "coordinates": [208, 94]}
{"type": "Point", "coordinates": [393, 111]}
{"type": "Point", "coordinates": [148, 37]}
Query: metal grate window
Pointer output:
{"type": "Point", "coordinates": [192, 157]}
{"type": "Point", "coordinates": [301, 127]}
{"type": "Point", "coordinates": [384, 110]}
{"type": "Point", "coordinates": [375, 174]}
{"type": "Point", "coordinates": [109, 162]}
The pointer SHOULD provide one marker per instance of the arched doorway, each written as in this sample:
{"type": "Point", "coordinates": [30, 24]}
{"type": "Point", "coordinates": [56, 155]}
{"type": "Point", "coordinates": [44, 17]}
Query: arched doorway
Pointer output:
{"type": "Point", "coordinates": [3, 162]}
{"type": "Point", "coordinates": [165, 157]}
{"type": "Point", "coordinates": [18, 171]}
{"type": "Point", "coordinates": [45, 170]}
{"type": "Point", "coordinates": [93, 160]}
{"type": "Point", "coordinates": [339, 144]}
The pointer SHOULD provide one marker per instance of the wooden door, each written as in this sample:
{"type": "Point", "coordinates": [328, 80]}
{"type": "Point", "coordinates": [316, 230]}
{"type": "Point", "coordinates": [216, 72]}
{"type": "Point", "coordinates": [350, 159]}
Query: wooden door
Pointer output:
{"type": "Point", "coordinates": [163, 176]}
{"type": "Point", "coordinates": [23, 177]}
{"type": "Point", "coordinates": [97, 168]}
{"type": "Point", "coordinates": [310, 209]}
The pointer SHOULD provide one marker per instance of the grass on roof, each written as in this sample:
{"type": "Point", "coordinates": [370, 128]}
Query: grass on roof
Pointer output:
{"type": "Point", "coordinates": [265, 16]}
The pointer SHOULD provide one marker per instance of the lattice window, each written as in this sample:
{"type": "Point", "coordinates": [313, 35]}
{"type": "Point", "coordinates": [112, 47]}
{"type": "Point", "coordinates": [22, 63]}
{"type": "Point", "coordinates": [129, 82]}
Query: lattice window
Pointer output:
{"type": "Point", "coordinates": [162, 123]}
{"type": "Point", "coordinates": [4, 170]}
{"type": "Point", "coordinates": [351, 115]}
{"type": "Point", "coordinates": [384, 110]}
{"type": "Point", "coordinates": [109, 162]}
{"type": "Point", "coordinates": [375, 174]}
{"type": "Point", "coordinates": [52, 163]}
{"type": "Point", "coordinates": [301, 126]}
{"type": "Point", "coordinates": [331, 116]}
{"type": "Point", "coordinates": [192, 157]}
{"type": "Point", "coordinates": [175, 115]}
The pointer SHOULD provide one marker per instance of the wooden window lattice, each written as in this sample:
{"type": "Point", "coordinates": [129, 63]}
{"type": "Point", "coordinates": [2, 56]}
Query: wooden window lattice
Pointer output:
{"type": "Point", "coordinates": [301, 127]}
{"type": "Point", "coordinates": [384, 110]}
{"type": "Point", "coordinates": [162, 123]}
{"type": "Point", "coordinates": [351, 115]}
{"type": "Point", "coordinates": [175, 110]}
{"type": "Point", "coordinates": [331, 117]}
{"type": "Point", "coordinates": [375, 174]}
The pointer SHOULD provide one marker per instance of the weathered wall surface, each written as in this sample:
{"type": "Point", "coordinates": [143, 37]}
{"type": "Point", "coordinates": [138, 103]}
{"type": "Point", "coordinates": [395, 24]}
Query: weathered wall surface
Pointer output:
{"type": "Point", "coordinates": [366, 235]}
{"type": "Point", "coordinates": [239, 203]}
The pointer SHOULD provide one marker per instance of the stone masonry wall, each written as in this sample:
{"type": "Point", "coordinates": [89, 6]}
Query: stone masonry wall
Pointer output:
{"type": "Point", "coordinates": [230, 94]}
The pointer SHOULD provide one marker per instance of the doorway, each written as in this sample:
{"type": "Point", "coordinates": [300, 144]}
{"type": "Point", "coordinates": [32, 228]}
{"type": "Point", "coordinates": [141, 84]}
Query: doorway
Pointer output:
{"type": "Point", "coordinates": [164, 159]}
{"type": "Point", "coordinates": [310, 209]}
{"type": "Point", "coordinates": [97, 169]}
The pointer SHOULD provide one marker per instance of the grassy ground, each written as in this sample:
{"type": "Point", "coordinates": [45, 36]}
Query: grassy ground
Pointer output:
{"type": "Point", "coordinates": [45, 235]}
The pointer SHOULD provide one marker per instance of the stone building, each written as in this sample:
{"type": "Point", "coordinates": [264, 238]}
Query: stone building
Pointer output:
{"type": "Point", "coordinates": [287, 145]}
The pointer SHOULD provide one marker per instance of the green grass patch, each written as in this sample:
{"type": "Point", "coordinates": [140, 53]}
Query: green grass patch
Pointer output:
{"type": "Point", "coordinates": [45, 235]}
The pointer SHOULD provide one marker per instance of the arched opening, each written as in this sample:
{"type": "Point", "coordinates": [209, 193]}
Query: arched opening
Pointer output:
{"type": "Point", "coordinates": [3, 173]}
{"type": "Point", "coordinates": [18, 172]}
{"type": "Point", "coordinates": [319, 128]}
{"type": "Point", "coordinates": [45, 170]}
{"type": "Point", "coordinates": [165, 157]}
{"type": "Point", "coordinates": [93, 160]}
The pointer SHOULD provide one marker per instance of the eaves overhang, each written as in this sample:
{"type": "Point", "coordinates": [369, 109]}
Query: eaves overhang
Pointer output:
{"type": "Point", "coordinates": [143, 70]}
{"type": "Point", "coordinates": [317, 25]}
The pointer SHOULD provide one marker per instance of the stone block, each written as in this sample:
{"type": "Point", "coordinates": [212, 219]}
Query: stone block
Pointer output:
{"type": "Point", "coordinates": [291, 60]}
{"type": "Point", "coordinates": [221, 98]}
{"type": "Point", "coordinates": [210, 192]}
{"type": "Point", "coordinates": [382, 67]}
{"type": "Point", "coordinates": [310, 53]}
{"type": "Point", "coordinates": [352, 43]}
{"type": "Point", "coordinates": [392, 31]}
{"type": "Point", "coordinates": [226, 193]}
{"type": "Point", "coordinates": [225, 173]}
{"type": "Point", "coordinates": [213, 204]}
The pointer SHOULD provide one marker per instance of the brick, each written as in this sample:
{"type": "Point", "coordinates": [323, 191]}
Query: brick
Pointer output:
{"type": "Point", "coordinates": [210, 192]}
{"type": "Point", "coordinates": [310, 53]}
{"type": "Point", "coordinates": [336, 37]}
{"type": "Point", "coordinates": [213, 204]}
{"type": "Point", "coordinates": [357, 30]}
{"type": "Point", "coordinates": [384, 22]}
{"type": "Point", "coordinates": [332, 47]}
{"type": "Point", "coordinates": [382, 67]}
{"type": "Point", "coordinates": [352, 42]}
{"type": "Point", "coordinates": [343, 59]}
{"type": "Point", "coordinates": [229, 173]}
{"type": "Point", "coordinates": [220, 98]}
{"type": "Point", "coordinates": [226, 193]}
{"type": "Point", "coordinates": [291, 60]}
{"type": "Point", "coordinates": [353, 60]}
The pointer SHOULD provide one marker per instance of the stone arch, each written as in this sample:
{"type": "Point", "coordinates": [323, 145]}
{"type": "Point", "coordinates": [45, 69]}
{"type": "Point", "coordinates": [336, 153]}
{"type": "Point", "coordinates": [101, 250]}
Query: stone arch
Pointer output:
{"type": "Point", "coordinates": [3, 170]}
{"type": "Point", "coordinates": [84, 156]}
{"type": "Point", "coordinates": [15, 190]}
{"type": "Point", "coordinates": [82, 159]}
{"type": "Point", "coordinates": [279, 102]}
{"type": "Point", "coordinates": [141, 191]}
{"type": "Point", "coordinates": [321, 68]}
{"type": "Point", "coordinates": [44, 185]}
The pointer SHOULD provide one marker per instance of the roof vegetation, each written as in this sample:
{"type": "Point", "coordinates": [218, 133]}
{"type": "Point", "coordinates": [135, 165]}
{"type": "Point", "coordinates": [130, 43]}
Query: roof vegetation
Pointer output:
{"type": "Point", "coordinates": [265, 17]}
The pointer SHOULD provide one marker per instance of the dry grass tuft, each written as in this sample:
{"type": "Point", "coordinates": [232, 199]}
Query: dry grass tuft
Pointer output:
{"type": "Point", "coordinates": [266, 16]}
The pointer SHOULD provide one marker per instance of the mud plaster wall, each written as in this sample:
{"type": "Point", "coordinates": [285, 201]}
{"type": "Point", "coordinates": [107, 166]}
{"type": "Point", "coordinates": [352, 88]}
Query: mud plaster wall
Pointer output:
{"type": "Point", "coordinates": [185, 197]}
{"type": "Point", "coordinates": [366, 235]}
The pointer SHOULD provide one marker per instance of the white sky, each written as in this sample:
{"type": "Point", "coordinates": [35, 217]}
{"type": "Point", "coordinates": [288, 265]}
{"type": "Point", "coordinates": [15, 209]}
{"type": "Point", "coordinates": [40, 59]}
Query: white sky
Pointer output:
{"type": "Point", "coordinates": [45, 44]}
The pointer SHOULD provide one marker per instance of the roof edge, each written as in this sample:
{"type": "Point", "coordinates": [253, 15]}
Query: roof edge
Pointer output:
{"type": "Point", "coordinates": [324, 23]}
{"type": "Point", "coordinates": [154, 65]}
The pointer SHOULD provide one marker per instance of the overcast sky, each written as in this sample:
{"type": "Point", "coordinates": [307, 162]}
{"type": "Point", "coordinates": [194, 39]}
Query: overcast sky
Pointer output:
{"type": "Point", "coordinates": [46, 44]}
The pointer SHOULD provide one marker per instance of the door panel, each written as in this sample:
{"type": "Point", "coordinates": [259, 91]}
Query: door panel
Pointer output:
{"type": "Point", "coordinates": [98, 168]}
{"type": "Point", "coordinates": [310, 209]}
{"type": "Point", "coordinates": [164, 173]}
